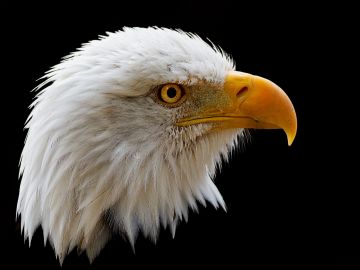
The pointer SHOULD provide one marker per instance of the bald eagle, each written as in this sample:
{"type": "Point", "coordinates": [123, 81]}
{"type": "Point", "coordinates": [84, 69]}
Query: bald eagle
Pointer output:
{"type": "Point", "coordinates": [126, 133]}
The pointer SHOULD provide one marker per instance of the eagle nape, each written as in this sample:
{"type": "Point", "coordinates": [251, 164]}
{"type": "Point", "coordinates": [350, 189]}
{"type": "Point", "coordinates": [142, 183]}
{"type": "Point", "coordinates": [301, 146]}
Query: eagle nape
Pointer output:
{"type": "Point", "coordinates": [132, 126]}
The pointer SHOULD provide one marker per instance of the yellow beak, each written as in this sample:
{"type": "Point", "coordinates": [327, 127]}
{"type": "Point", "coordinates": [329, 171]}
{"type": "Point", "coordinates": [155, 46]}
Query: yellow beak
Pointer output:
{"type": "Point", "coordinates": [251, 102]}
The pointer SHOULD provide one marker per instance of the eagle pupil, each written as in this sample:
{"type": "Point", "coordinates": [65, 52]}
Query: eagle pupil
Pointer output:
{"type": "Point", "coordinates": [171, 92]}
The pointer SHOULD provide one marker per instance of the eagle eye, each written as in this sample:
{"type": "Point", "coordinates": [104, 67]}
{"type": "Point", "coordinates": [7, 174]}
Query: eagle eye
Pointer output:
{"type": "Point", "coordinates": [171, 93]}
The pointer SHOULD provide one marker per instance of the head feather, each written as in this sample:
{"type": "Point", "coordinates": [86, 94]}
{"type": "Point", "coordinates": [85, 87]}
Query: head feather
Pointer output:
{"type": "Point", "coordinates": [102, 157]}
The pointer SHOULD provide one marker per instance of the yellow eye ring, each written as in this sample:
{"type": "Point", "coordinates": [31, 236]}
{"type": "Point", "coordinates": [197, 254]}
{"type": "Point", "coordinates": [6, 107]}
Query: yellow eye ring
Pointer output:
{"type": "Point", "coordinates": [171, 93]}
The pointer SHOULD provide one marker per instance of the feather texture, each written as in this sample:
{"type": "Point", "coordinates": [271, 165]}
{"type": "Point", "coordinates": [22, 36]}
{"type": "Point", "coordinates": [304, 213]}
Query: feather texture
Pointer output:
{"type": "Point", "coordinates": [101, 156]}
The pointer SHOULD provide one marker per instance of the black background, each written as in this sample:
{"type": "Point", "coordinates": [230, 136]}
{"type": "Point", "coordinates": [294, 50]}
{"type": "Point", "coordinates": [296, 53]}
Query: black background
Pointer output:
{"type": "Point", "coordinates": [275, 203]}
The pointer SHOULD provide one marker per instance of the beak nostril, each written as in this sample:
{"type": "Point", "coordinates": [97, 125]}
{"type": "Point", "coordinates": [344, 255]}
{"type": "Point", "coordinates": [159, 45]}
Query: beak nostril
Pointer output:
{"type": "Point", "coordinates": [242, 91]}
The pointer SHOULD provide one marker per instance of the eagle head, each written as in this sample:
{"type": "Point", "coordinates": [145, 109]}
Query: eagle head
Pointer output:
{"type": "Point", "coordinates": [125, 135]}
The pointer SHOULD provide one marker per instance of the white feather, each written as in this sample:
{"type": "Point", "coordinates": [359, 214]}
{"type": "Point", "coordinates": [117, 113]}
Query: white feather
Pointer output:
{"type": "Point", "coordinates": [102, 156]}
